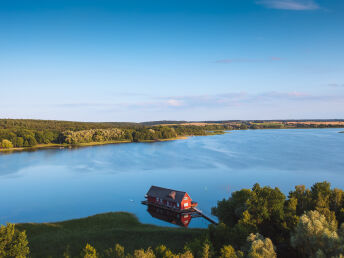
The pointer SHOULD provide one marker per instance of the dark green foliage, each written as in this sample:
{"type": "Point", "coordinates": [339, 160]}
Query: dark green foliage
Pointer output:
{"type": "Point", "coordinates": [269, 212]}
{"type": "Point", "coordinates": [200, 247]}
{"type": "Point", "coordinates": [262, 209]}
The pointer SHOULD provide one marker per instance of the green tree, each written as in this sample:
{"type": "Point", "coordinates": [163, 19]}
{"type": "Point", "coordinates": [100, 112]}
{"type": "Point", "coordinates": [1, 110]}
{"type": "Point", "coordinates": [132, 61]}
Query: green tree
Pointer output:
{"type": "Point", "coordinates": [206, 253]}
{"type": "Point", "coordinates": [260, 247]}
{"type": "Point", "coordinates": [6, 144]}
{"type": "Point", "coordinates": [315, 232]}
{"type": "Point", "coordinates": [262, 209]}
{"type": "Point", "coordinates": [162, 251]}
{"type": "Point", "coordinates": [144, 253]}
{"type": "Point", "coordinates": [89, 252]}
{"type": "Point", "coordinates": [117, 252]}
{"type": "Point", "coordinates": [228, 251]}
{"type": "Point", "coordinates": [303, 197]}
{"type": "Point", "coordinates": [18, 142]}
{"type": "Point", "coordinates": [12, 242]}
{"type": "Point", "coordinates": [31, 141]}
{"type": "Point", "coordinates": [186, 254]}
{"type": "Point", "coordinates": [200, 247]}
{"type": "Point", "coordinates": [230, 211]}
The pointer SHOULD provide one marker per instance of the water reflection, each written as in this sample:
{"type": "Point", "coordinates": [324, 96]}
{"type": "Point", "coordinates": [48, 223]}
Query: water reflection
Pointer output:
{"type": "Point", "coordinates": [179, 219]}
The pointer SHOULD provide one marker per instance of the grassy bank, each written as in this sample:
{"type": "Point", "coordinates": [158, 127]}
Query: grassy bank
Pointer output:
{"type": "Point", "coordinates": [102, 231]}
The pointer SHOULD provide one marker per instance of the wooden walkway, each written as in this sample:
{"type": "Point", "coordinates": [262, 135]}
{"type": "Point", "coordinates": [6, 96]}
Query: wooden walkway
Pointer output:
{"type": "Point", "coordinates": [205, 216]}
{"type": "Point", "coordinates": [193, 211]}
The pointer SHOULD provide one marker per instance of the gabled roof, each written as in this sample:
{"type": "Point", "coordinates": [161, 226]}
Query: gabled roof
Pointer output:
{"type": "Point", "coordinates": [166, 194]}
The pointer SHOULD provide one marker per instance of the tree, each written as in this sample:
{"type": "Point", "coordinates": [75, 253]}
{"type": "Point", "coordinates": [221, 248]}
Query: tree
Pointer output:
{"type": "Point", "coordinates": [117, 252]}
{"type": "Point", "coordinates": [303, 197]}
{"type": "Point", "coordinates": [200, 247]}
{"type": "Point", "coordinates": [206, 251]}
{"type": "Point", "coordinates": [6, 144]}
{"type": "Point", "coordinates": [18, 141]}
{"type": "Point", "coordinates": [162, 251]}
{"type": "Point", "coordinates": [313, 233]}
{"type": "Point", "coordinates": [230, 211]}
{"type": "Point", "coordinates": [31, 141]}
{"type": "Point", "coordinates": [12, 242]}
{"type": "Point", "coordinates": [260, 247]}
{"type": "Point", "coordinates": [228, 251]}
{"type": "Point", "coordinates": [144, 254]}
{"type": "Point", "coordinates": [266, 211]}
{"type": "Point", "coordinates": [89, 252]}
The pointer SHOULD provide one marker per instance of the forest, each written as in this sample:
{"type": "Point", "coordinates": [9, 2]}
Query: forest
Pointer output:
{"type": "Point", "coordinates": [19, 133]}
{"type": "Point", "coordinates": [260, 222]}
{"type": "Point", "coordinates": [29, 133]}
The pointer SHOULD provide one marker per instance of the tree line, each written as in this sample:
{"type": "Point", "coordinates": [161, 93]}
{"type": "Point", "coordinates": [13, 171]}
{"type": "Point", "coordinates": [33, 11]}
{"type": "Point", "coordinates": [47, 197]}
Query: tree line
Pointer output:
{"type": "Point", "coordinates": [29, 133]}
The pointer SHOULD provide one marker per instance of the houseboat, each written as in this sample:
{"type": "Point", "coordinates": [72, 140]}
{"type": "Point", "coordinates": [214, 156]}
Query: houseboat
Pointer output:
{"type": "Point", "coordinates": [169, 199]}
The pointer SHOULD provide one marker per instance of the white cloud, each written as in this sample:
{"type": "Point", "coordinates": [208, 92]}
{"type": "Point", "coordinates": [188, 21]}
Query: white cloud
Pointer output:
{"type": "Point", "coordinates": [296, 5]}
{"type": "Point", "coordinates": [174, 103]}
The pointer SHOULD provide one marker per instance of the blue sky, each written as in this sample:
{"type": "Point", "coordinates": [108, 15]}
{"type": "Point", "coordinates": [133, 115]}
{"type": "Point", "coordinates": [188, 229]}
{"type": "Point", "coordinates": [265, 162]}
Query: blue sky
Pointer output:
{"type": "Point", "coordinates": [141, 60]}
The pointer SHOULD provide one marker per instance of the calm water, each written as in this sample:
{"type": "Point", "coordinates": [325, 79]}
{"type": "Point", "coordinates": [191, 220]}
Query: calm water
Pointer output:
{"type": "Point", "coordinates": [52, 185]}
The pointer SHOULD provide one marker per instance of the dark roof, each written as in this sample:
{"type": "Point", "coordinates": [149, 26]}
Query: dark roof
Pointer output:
{"type": "Point", "coordinates": [166, 194]}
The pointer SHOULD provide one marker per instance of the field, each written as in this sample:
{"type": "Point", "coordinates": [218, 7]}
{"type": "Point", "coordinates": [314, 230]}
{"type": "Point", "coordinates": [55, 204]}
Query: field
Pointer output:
{"type": "Point", "coordinates": [336, 123]}
{"type": "Point", "coordinates": [102, 231]}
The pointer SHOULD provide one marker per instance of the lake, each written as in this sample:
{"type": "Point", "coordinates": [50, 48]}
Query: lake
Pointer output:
{"type": "Point", "coordinates": [59, 184]}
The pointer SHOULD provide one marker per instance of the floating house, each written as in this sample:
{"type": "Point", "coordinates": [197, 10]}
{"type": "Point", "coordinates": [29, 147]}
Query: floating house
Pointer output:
{"type": "Point", "coordinates": [169, 199]}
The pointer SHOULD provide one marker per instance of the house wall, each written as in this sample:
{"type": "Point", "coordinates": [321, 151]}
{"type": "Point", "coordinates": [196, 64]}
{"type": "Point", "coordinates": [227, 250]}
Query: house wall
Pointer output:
{"type": "Point", "coordinates": [186, 203]}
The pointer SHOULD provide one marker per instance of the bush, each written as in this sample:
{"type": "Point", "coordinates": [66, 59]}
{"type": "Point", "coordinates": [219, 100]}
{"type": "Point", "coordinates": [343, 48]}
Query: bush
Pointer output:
{"type": "Point", "coordinates": [12, 242]}
{"type": "Point", "coordinates": [6, 144]}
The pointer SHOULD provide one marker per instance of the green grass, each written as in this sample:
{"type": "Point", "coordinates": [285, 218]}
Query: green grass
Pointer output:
{"type": "Point", "coordinates": [102, 231]}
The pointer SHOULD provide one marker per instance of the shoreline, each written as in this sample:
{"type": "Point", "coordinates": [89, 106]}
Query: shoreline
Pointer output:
{"type": "Point", "coordinates": [88, 144]}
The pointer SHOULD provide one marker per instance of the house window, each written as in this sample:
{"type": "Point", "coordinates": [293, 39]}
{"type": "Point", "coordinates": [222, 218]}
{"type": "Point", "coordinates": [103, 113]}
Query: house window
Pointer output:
{"type": "Point", "coordinates": [178, 205]}
{"type": "Point", "coordinates": [186, 204]}
{"type": "Point", "coordinates": [185, 198]}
